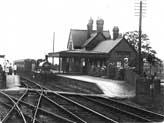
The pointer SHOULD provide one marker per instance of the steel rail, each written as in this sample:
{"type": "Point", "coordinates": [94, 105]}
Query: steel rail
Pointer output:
{"type": "Point", "coordinates": [65, 88]}
{"type": "Point", "coordinates": [81, 94]}
{"type": "Point", "coordinates": [64, 109]}
{"type": "Point", "coordinates": [56, 104]}
{"type": "Point", "coordinates": [15, 105]}
{"type": "Point", "coordinates": [26, 91]}
{"type": "Point", "coordinates": [5, 118]}
{"type": "Point", "coordinates": [38, 104]}
{"type": "Point", "coordinates": [68, 93]}
{"type": "Point", "coordinates": [29, 86]}
{"type": "Point", "coordinates": [26, 116]}
{"type": "Point", "coordinates": [139, 109]}
{"type": "Point", "coordinates": [43, 110]}
{"type": "Point", "coordinates": [136, 110]}
{"type": "Point", "coordinates": [39, 100]}
{"type": "Point", "coordinates": [119, 110]}
{"type": "Point", "coordinates": [82, 106]}
{"type": "Point", "coordinates": [86, 108]}
{"type": "Point", "coordinates": [39, 93]}
{"type": "Point", "coordinates": [31, 81]}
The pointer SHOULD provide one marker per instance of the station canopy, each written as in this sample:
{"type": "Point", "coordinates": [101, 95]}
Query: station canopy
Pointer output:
{"type": "Point", "coordinates": [78, 53]}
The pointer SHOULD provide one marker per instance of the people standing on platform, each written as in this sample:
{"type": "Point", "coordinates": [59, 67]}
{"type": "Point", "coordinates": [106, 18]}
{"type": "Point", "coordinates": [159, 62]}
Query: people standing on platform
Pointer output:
{"type": "Point", "coordinates": [6, 67]}
{"type": "Point", "coordinates": [10, 70]}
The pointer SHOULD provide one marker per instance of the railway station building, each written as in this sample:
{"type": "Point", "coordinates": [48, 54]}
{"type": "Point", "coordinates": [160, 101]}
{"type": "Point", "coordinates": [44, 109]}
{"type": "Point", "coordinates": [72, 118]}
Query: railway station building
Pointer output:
{"type": "Point", "coordinates": [94, 52]}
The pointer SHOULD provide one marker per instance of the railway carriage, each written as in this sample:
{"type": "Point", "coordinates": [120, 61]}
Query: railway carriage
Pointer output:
{"type": "Point", "coordinates": [25, 65]}
{"type": "Point", "coordinates": [40, 68]}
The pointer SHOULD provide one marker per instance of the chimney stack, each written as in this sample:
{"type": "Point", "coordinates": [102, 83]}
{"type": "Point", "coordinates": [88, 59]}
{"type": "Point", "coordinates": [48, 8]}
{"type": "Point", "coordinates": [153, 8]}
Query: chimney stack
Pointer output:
{"type": "Point", "coordinates": [90, 27]}
{"type": "Point", "coordinates": [100, 24]}
{"type": "Point", "coordinates": [115, 32]}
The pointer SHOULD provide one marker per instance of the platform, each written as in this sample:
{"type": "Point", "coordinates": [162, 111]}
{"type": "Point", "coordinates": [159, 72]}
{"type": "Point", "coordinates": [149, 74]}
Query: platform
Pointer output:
{"type": "Point", "coordinates": [111, 88]}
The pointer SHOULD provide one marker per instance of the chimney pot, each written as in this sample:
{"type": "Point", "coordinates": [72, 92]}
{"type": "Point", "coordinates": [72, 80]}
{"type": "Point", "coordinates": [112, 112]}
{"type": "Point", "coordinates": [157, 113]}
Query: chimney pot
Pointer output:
{"type": "Point", "coordinates": [90, 27]}
{"type": "Point", "coordinates": [115, 32]}
{"type": "Point", "coordinates": [100, 24]}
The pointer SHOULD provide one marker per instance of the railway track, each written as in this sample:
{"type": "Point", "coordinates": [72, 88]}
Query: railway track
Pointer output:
{"type": "Point", "coordinates": [86, 114]}
{"type": "Point", "coordinates": [66, 85]}
{"type": "Point", "coordinates": [37, 104]}
{"type": "Point", "coordinates": [119, 109]}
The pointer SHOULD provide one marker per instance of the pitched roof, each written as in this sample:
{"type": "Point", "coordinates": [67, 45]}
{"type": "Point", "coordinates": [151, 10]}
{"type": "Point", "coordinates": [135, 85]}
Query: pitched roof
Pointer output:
{"type": "Point", "coordinates": [106, 46]}
{"type": "Point", "coordinates": [79, 37]}
{"type": "Point", "coordinates": [93, 35]}
{"type": "Point", "coordinates": [101, 50]}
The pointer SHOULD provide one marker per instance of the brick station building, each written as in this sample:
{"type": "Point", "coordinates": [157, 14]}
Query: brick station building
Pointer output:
{"type": "Point", "coordinates": [89, 51]}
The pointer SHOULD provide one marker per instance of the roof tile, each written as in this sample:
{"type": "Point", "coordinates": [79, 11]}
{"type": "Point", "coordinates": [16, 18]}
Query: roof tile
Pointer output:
{"type": "Point", "coordinates": [79, 37]}
{"type": "Point", "coordinates": [106, 46]}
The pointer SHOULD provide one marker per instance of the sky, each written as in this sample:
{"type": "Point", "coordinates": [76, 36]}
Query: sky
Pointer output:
{"type": "Point", "coordinates": [27, 26]}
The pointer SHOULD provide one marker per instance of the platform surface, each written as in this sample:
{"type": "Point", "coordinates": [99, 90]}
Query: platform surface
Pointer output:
{"type": "Point", "coordinates": [111, 88]}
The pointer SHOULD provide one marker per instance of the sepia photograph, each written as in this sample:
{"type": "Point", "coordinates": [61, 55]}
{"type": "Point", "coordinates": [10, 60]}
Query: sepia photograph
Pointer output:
{"type": "Point", "coordinates": [81, 61]}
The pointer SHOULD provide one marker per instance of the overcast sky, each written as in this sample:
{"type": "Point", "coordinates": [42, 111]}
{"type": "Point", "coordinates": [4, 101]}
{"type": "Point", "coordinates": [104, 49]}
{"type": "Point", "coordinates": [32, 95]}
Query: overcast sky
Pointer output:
{"type": "Point", "coordinates": [27, 26]}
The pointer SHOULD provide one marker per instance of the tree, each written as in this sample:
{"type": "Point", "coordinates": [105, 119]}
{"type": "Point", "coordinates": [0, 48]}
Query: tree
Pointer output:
{"type": "Point", "coordinates": [133, 39]}
{"type": "Point", "coordinates": [146, 50]}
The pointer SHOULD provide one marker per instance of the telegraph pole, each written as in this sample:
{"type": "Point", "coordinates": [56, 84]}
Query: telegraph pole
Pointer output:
{"type": "Point", "coordinates": [140, 35]}
{"type": "Point", "coordinates": [139, 44]}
